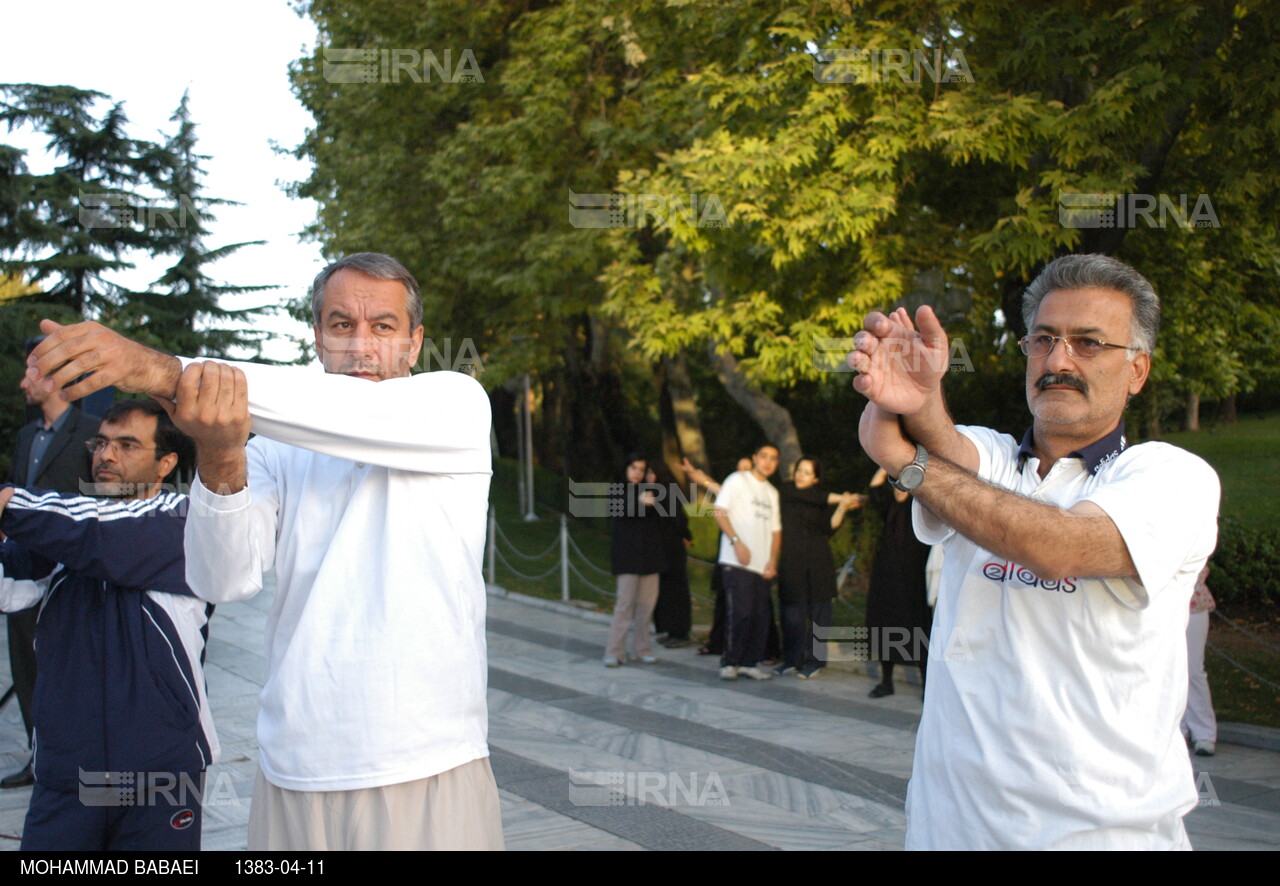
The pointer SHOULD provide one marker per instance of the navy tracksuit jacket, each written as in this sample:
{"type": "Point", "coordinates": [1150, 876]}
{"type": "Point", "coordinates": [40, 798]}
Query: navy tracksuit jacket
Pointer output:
{"type": "Point", "coordinates": [120, 639]}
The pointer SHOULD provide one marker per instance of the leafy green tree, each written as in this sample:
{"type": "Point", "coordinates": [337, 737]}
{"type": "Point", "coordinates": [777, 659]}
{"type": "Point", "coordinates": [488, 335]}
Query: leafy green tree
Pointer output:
{"type": "Point", "coordinates": [846, 193]}
{"type": "Point", "coordinates": [857, 154]}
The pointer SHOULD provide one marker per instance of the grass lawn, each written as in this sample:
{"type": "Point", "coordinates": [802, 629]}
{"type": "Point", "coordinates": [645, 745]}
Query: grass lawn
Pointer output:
{"type": "Point", "coordinates": [1246, 456]}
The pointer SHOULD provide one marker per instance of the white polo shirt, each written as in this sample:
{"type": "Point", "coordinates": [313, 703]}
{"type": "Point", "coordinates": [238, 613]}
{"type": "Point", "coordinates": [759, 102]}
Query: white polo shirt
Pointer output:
{"type": "Point", "coordinates": [1051, 717]}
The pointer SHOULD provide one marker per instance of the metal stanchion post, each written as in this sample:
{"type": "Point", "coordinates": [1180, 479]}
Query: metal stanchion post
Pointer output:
{"type": "Point", "coordinates": [564, 558]}
{"type": "Point", "coordinates": [493, 545]}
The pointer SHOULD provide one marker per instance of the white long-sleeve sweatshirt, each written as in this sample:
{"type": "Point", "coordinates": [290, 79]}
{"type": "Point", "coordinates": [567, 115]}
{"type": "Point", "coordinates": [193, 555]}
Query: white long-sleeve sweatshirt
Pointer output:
{"type": "Point", "coordinates": [368, 500]}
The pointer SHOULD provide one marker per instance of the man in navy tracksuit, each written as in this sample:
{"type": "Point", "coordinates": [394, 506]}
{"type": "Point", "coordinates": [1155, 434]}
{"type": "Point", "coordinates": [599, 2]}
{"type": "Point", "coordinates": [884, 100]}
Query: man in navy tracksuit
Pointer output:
{"type": "Point", "coordinates": [122, 726]}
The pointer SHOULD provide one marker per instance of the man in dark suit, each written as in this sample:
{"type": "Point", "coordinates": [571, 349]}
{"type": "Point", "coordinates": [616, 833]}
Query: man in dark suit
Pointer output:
{"type": "Point", "coordinates": [50, 454]}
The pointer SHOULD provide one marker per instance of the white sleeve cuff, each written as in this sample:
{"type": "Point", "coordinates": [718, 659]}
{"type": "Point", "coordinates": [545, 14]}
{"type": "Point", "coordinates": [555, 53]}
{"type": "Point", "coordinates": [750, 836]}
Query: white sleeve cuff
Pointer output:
{"type": "Point", "coordinates": [205, 501]}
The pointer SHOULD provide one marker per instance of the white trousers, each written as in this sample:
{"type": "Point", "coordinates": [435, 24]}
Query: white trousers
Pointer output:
{"type": "Point", "coordinates": [1199, 720]}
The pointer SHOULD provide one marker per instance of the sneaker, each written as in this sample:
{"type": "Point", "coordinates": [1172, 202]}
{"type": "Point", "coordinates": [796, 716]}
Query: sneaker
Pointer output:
{"type": "Point", "coordinates": [728, 672]}
{"type": "Point", "coordinates": [1204, 748]}
{"type": "Point", "coordinates": [784, 670]}
{"type": "Point", "coordinates": [611, 662]}
{"type": "Point", "coordinates": [755, 673]}
{"type": "Point", "coordinates": [808, 673]}
{"type": "Point", "coordinates": [648, 659]}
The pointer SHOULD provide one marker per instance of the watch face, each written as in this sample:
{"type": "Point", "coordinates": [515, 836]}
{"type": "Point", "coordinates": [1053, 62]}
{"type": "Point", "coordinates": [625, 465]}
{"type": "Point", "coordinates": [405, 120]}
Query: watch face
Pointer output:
{"type": "Point", "coordinates": [911, 477]}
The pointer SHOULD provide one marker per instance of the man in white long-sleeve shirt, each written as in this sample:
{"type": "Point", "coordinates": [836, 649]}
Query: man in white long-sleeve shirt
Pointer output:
{"type": "Point", "coordinates": [369, 503]}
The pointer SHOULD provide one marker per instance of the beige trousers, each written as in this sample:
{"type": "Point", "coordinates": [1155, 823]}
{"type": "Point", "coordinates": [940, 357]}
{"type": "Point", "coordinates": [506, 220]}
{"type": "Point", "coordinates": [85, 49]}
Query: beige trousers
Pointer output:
{"type": "Point", "coordinates": [633, 611]}
{"type": "Point", "coordinates": [455, 810]}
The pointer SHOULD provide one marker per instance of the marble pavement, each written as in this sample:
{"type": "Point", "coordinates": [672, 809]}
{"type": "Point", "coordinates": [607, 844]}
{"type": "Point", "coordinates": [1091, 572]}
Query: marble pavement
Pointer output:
{"type": "Point", "coordinates": [665, 756]}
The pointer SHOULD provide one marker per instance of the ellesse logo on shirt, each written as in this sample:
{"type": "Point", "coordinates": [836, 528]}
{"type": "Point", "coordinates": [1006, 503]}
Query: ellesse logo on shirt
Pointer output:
{"type": "Point", "coordinates": [1006, 570]}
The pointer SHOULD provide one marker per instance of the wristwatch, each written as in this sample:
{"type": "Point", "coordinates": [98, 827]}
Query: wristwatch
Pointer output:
{"type": "Point", "coordinates": [910, 477]}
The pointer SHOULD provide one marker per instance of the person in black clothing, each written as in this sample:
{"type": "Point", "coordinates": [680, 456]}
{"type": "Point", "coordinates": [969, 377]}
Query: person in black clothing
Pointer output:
{"type": "Point", "coordinates": [898, 613]}
{"type": "Point", "coordinates": [806, 572]}
{"type": "Point", "coordinates": [673, 615]}
{"type": "Point", "coordinates": [638, 555]}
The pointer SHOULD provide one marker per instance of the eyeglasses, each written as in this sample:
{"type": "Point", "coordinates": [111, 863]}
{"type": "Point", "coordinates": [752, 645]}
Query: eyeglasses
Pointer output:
{"type": "Point", "coordinates": [1084, 346]}
{"type": "Point", "coordinates": [127, 447]}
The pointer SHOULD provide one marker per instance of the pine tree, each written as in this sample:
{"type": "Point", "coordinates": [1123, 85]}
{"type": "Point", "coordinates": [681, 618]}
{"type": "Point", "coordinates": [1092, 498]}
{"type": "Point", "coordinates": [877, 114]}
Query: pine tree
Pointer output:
{"type": "Point", "coordinates": [181, 310]}
{"type": "Point", "coordinates": [72, 231]}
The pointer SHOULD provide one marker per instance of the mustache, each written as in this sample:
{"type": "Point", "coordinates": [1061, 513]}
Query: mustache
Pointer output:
{"type": "Point", "coordinates": [1061, 378]}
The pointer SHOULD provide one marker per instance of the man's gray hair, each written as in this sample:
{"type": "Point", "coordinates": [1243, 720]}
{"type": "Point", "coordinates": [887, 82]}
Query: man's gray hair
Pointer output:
{"type": "Point", "coordinates": [1099, 272]}
{"type": "Point", "coordinates": [378, 266]}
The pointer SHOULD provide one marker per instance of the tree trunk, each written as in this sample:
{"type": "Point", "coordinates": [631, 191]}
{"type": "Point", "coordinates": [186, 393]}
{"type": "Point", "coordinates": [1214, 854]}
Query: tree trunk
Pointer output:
{"type": "Point", "coordinates": [1227, 411]}
{"type": "Point", "coordinates": [682, 430]}
{"type": "Point", "coordinates": [503, 402]}
{"type": "Point", "coordinates": [593, 411]}
{"type": "Point", "coordinates": [549, 430]}
{"type": "Point", "coordinates": [773, 419]}
{"type": "Point", "coordinates": [1192, 420]}
{"type": "Point", "coordinates": [1152, 417]}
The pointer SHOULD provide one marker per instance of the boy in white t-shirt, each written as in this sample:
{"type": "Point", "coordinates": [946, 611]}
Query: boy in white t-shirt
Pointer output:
{"type": "Point", "coordinates": [748, 514]}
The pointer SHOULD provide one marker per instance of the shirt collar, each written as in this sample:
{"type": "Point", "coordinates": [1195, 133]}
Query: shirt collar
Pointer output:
{"type": "Point", "coordinates": [1097, 454]}
{"type": "Point", "coordinates": [57, 422]}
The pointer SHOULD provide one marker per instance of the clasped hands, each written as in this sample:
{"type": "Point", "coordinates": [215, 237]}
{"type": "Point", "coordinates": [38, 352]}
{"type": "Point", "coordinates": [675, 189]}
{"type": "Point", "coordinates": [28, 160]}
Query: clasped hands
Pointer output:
{"type": "Point", "coordinates": [900, 370]}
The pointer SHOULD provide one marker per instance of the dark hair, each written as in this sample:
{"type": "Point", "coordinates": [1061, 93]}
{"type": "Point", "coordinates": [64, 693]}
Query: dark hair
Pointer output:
{"type": "Point", "coordinates": [1099, 272]}
{"type": "Point", "coordinates": [632, 459]}
{"type": "Point", "coordinates": [766, 445]}
{"type": "Point", "coordinates": [378, 266]}
{"type": "Point", "coordinates": [168, 437]}
{"type": "Point", "coordinates": [817, 466]}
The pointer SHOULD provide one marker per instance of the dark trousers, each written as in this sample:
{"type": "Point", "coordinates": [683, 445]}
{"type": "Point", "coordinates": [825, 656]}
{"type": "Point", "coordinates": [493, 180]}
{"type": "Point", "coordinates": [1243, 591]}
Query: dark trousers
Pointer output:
{"type": "Point", "coordinates": [748, 613]}
{"type": "Point", "coordinates": [22, 660]}
{"type": "Point", "coordinates": [167, 817]}
{"type": "Point", "coordinates": [715, 640]}
{"type": "Point", "coordinates": [673, 615]}
{"type": "Point", "coordinates": [798, 642]}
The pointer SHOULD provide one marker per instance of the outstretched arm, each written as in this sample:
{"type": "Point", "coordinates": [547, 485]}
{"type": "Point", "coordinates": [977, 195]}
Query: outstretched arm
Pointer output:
{"type": "Point", "coordinates": [69, 352]}
{"type": "Point", "coordinates": [1050, 541]}
{"type": "Point", "coordinates": [437, 422]}
{"type": "Point", "coordinates": [700, 477]}
{"type": "Point", "coordinates": [133, 544]}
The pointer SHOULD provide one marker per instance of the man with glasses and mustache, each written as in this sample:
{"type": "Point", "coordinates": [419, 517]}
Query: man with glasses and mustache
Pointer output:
{"type": "Point", "coordinates": [123, 733]}
{"type": "Point", "coordinates": [1058, 673]}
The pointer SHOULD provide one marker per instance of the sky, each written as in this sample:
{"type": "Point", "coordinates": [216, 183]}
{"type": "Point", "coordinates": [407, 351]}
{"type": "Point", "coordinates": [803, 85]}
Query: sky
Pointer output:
{"type": "Point", "coordinates": [233, 58]}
